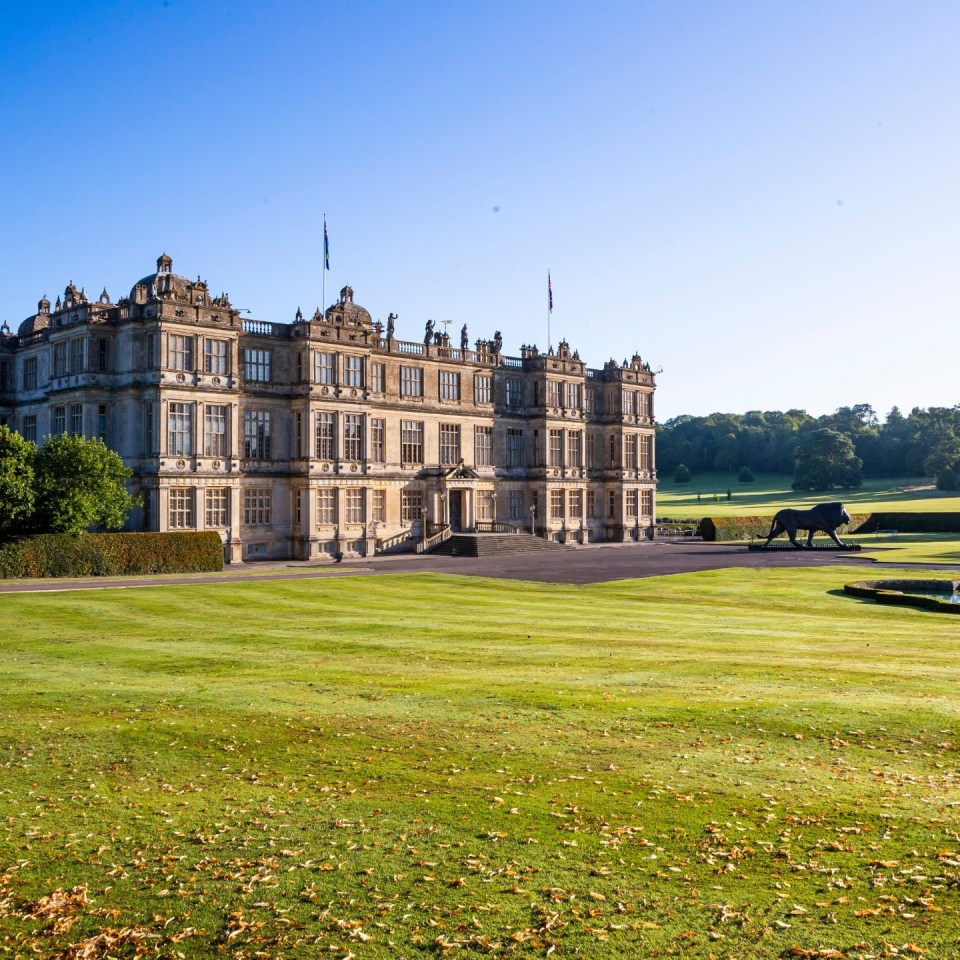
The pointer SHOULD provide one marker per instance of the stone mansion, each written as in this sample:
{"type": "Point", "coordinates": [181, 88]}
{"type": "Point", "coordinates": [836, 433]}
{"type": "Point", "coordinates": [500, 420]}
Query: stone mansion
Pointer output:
{"type": "Point", "coordinates": [329, 435]}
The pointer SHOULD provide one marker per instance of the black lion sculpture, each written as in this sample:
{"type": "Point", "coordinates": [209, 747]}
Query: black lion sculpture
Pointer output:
{"type": "Point", "coordinates": [824, 516]}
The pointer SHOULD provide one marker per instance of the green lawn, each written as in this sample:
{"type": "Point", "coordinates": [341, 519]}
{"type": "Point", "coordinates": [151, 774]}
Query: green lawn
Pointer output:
{"type": "Point", "coordinates": [911, 548]}
{"type": "Point", "coordinates": [771, 492]}
{"type": "Point", "coordinates": [740, 763]}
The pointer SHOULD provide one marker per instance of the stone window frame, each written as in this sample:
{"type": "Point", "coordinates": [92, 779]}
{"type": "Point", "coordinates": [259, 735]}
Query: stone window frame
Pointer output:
{"type": "Point", "coordinates": [180, 508]}
{"type": "Point", "coordinates": [30, 373]}
{"type": "Point", "coordinates": [351, 434]}
{"type": "Point", "coordinates": [482, 388]}
{"type": "Point", "coordinates": [378, 439]}
{"type": "Point", "coordinates": [352, 370]}
{"type": "Point", "coordinates": [216, 441]}
{"type": "Point", "coordinates": [180, 429]}
{"type": "Point", "coordinates": [256, 365]}
{"type": "Point", "coordinates": [483, 446]}
{"type": "Point", "coordinates": [354, 504]}
{"type": "Point", "coordinates": [449, 385]}
{"type": "Point", "coordinates": [411, 442]}
{"type": "Point", "coordinates": [325, 435]}
{"type": "Point", "coordinates": [216, 356]}
{"type": "Point", "coordinates": [78, 355]}
{"type": "Point", "coordinates": [555, 453]}
{"type": "Point", "coordinates": [257, 435]}
{"type": "Point", "coordinates": [378, 378]}
{"type": "Point", "coordinates": [411, 381]}
{"type": "Point", "coordinates": [514, 447]}
{"type": "Point", "coordinates": [450, 444]}
{"type": "Point", "coordinates": [485, 505]}
{"type": "Point", "coordinates": [180, 352]}
{"type": "Point", "coordinates": [258, 507]}
{"type": "Point", "coordinates": [324, 367]}
{"type": "Point", "coordinates": [216, 505]}
{"type": "Point", "coordinates": [326, 506]}
{"type": "Point", "coordinates": [411, 505]}
{"type": "Point", "coordinates": [60, 361]}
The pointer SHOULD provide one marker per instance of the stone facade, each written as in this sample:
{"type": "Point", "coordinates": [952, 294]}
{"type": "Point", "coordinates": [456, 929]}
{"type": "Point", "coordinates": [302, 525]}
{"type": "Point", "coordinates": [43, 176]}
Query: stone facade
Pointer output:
{"type": "Point", "coordinates": [330, 436]}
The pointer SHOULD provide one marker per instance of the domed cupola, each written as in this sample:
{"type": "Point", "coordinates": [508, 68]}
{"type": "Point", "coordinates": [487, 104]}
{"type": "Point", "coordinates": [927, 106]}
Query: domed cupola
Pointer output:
{"type": "Point", "coordinates": [346, 313]}
{"type": "Point", "coordinates": [38, 322]}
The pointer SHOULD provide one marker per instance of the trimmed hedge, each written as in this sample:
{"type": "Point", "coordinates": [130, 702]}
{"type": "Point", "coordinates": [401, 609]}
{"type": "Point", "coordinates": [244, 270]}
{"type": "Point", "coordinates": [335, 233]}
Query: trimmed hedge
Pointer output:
{"type": "Point", "coordinates": [109, 554]}
{"type": "Point", "coordinates": [746, 528]}
{"type": "Point", "coordinates": [913, 522]}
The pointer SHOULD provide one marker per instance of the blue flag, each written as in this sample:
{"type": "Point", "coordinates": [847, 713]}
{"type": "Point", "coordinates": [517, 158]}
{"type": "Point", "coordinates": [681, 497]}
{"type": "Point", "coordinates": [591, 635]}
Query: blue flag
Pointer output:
{"type": "Point", "coordinates": [326, 246]}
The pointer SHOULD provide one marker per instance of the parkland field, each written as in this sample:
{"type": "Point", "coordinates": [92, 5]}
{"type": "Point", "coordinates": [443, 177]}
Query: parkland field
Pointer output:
{"type": "Point", "coordinates": [737, 763]}
{"type": "Point", "coordinates": [770, 492]}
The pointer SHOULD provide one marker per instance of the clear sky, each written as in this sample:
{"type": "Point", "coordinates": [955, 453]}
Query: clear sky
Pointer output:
{"type": "Point", "coordinates": [759, 197]}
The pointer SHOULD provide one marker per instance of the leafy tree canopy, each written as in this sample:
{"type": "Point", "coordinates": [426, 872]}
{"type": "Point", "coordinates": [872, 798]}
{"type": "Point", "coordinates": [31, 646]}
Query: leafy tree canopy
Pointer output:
{"type": "Point", "coordinates": [16, 481]}
{"type": "Point", "coordinates": [767, 439]}
{"type": "Point", "coordinates": [80, 483]}
{"type": "Point", "coordinates": [827, 459]}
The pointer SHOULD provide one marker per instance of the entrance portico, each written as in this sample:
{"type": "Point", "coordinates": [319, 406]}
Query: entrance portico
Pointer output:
{"type": "Point", "coordinates": [454, 499]}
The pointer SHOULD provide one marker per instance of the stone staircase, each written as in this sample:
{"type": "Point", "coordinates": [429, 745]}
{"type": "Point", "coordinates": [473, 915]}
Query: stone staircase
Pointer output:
{"type": "Point", "coordinates": [494, 545]}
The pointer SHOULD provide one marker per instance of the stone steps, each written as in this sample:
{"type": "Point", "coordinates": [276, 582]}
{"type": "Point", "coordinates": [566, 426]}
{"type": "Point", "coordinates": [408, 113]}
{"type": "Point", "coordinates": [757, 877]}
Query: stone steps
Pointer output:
{"type": "Point", "coordinates": [494, 544]}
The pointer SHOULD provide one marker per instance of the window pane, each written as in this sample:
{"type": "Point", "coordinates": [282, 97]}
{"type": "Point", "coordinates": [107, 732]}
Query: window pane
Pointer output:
{"type": "Point", "coordinates": [256, 435]}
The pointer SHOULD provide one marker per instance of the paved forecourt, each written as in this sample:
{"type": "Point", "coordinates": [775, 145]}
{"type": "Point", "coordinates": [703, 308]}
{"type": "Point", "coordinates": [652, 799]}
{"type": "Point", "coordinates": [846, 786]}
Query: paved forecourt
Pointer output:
{"type": "Point", "coordinates": [593, 564]}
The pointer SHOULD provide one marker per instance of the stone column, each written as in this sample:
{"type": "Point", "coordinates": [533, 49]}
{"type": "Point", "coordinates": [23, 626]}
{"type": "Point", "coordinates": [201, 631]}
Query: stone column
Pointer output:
{"type": "Point", "coordinates": [341, 516]}
{"type": "Point", "coordinates": [235, 511]}
{"type": "Point", "coordinates": [162, 507]}
{"type": "Point", "coordinates": [369, 526]}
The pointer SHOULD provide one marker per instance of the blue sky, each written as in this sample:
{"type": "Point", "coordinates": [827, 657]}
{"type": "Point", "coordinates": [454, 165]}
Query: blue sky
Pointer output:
{"type": "Point", "coordinates": [761, 198]}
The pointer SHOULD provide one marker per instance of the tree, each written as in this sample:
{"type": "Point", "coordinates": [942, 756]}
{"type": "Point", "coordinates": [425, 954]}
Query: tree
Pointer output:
{"type": "Point", "coordinates": [944, 456]}
{"type": "Point", "coordinates": [16, 481]}
{"type": "Point", "coordinates": [947, 479]}
{"type": "Point", "coordinates": [681, 474]}
{"type": "Point", "coordinates": [745, 475]}
{"type": "Point", "coordinates": [826, 459]}
{"type": "Point", "coordinates": [80, 483]}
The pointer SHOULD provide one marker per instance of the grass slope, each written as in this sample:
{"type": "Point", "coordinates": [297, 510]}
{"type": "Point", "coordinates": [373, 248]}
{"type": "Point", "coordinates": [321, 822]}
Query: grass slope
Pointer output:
{"type": "Point", "coordinates": [771, 492]}
{"type": "Point", "coordinates": [738, 763]}
{"type": "Point", "coordinates": [912, 548]}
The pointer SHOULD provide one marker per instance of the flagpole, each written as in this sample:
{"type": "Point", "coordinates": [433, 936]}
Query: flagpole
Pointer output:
{"type": "Point", "coordinates": [323, 267]}
{"type": "Point", "coordinates": [549, 309]}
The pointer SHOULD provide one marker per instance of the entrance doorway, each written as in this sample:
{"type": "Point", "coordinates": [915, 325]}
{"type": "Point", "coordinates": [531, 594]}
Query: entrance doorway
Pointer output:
{"type": "Point", "coordinates": [456, 510]}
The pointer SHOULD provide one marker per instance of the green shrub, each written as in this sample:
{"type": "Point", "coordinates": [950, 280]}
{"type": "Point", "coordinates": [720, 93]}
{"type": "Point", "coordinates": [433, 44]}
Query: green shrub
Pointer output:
{"type": "Point", "coordinates": [947, 479]}
{"type": "Point", "coordinates": [109, 554]}
{"type": "Point", "coordinates": [745, 475]}
{"type": "Point", "coordinates": [681, 474]}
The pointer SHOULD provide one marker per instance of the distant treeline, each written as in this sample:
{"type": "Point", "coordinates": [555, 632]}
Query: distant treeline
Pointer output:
{"type": "Point", "coordinates": [925, 442]}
